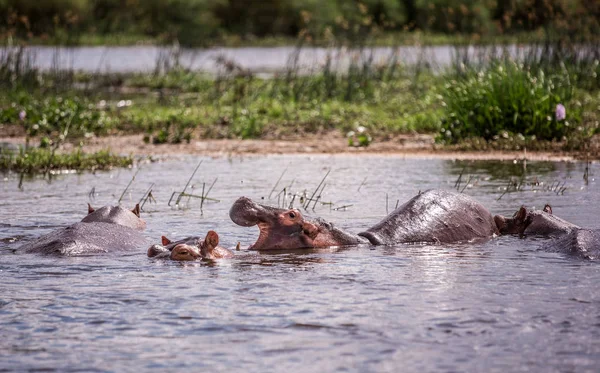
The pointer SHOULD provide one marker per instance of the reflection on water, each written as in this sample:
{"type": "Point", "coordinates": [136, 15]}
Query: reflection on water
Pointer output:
{"type": "Point", "coordinates": [502, 170]}
{"type": "Point", "coordinates": [256, 59]}
{"type": "Point", "coordinates": [502, 305]}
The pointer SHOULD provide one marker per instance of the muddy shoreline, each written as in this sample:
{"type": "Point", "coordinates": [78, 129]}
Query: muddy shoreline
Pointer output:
{"type": "Point", "coordinates": [410, 146]}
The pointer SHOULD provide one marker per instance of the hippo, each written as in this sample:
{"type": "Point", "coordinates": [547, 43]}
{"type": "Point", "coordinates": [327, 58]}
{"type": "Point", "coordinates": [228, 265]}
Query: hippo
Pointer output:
{"type": "Point", "coordinates": [580, 242]}
{"type": "Point", "coordinates": [434, 216]}
{"type": "Point", "coordinates": [106, 229]}
{"type": "Point", "coordinates": [190, 248]}
{"type": "Point", "coordinates": [566, 237]}
{"type": "Point", "coordinates": [526, 222]}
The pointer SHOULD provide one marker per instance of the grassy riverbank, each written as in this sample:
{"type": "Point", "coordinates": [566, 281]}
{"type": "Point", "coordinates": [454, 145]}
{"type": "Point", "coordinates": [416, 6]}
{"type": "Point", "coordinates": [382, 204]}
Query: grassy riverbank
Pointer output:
{"type": "Point", "coordinates": [250, 22]}
{"type": "Point", "coordinates": [506, 98]}
{"type": "Point", "coordinates": [39, 160]}
{"type": "Point", "coordinates": [534, 104]}
{"type": "Point", "coordinates": [385, 39]}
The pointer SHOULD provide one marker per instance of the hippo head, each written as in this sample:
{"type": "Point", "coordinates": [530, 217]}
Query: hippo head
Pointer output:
{"type": "Point", "coordinates": [184, 252]}
{"type": "Point", "coordinates": [116, 215]}
{"type": "Point", "coordinates": [282, 229]}
{"type": "Point", "coordinates": [523, 219]}
{"type": "Point", "coordinates": [191, 248]}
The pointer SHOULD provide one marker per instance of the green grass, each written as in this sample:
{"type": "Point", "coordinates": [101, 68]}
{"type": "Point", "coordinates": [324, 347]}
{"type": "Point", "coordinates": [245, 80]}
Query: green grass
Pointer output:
{"type": "Point", "coordinates": [49, 114]}
{"type": "Point", "coordinates": [39, 160]}
{"type": "Point", "coordinates": [385, 39]}
{"type": "Point", "coordinates": [278, 107]}
{"type": "Point", "coordinates": [501, 105]}
{"type": "Point", "coordinates": [508, 97]}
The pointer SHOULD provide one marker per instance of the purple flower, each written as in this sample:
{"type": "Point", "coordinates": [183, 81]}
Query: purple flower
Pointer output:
{"type": "Point", "coordinates": [22, 115]}
{"type": "Point", "coordinates": [561, 112]}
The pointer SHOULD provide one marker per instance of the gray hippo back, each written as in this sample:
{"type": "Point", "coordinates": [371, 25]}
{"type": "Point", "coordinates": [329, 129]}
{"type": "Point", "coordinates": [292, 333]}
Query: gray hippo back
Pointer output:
{"type": "Point", "coordinates": [107, 229]}
{"type": "Point", "coordinates": [580, 242]}
{"type": "Point", "coordinates": [116, 215]}
{"type": "Point", "coordinates": [437, 216]}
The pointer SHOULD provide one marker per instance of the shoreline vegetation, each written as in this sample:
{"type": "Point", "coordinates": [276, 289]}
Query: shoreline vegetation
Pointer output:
{"type": "Point", "coordinates": [243, 22]}
{"type": "Point", "coordinates": [387, 39]}
{"type": "Point", "coordinates": [547, 99]}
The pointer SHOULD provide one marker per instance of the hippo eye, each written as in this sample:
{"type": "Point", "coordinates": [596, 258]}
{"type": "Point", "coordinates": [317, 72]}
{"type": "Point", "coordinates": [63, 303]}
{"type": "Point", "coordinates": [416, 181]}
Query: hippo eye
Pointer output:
{"type": "Point", "coordinates": [292, 214]}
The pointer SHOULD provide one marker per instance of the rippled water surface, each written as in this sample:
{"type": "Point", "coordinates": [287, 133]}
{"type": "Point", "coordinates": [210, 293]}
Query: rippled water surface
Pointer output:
{"type": "Point", "coordinates": [494, 307]}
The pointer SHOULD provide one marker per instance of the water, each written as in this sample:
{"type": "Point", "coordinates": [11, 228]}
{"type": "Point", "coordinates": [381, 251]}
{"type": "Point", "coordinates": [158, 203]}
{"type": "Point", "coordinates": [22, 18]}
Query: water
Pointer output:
{"type": "Point", "coordinates": [494, 307]}
{"type": "Point", "coordinates": [255, 59]}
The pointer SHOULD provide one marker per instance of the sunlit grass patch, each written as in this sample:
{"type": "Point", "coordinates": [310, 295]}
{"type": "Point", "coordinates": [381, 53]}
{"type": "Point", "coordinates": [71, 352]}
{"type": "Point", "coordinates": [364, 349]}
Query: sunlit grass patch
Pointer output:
{"type": "Point", "coordinates": [508, 97]}
{"type": "Point", "coordinates": [39, 160]}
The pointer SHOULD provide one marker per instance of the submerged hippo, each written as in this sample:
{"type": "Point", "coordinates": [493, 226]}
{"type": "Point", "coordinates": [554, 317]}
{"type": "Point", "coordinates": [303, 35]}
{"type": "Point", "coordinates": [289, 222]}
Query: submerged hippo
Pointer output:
{"type": "Point", "coordinates": [103, 230]}
{"type": "Point", "coordinates": [190, 248]}
{"type": "Point", "coordinates": [434, 216]}
{"type": "Point", "coordinates": [567, 237]}
{"type": "Point", "coordinates": [533, 222]}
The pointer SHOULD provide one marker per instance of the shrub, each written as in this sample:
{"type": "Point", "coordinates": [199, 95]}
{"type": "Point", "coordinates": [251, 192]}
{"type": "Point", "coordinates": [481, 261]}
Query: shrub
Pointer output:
{"type": "Point", "coordinates": [508, 97]}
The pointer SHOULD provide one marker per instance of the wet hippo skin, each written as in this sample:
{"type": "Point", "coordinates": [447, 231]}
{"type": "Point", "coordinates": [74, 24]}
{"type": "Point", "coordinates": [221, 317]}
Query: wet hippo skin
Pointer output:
{"type": "Point", "coordinates": [435, 216]}
{"type": "Point", "coordinates": [565, 237]}
{"type": "Point", "coordinates": [190, 248]}
{"type": "Point", "coordinates": [103, 230]}
{"type": "Point", "coordinates": [528, 222]}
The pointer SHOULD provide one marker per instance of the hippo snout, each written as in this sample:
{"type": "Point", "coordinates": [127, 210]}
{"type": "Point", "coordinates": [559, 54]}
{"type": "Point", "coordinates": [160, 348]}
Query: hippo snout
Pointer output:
{"type": "Point", "coordinates": [245, 212]}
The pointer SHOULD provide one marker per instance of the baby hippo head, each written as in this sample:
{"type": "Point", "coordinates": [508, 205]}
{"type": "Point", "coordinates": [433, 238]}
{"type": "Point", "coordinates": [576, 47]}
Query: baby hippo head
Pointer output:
{"type": "Point", "coordinates": [184, 252]}
{"type": "Point", "coordinates": [191, 248]}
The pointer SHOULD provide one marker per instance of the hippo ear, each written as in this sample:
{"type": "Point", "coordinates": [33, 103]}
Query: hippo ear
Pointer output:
{"type": "Point", "coordinates": [548, 209]}
{"type": "Point", "coordinates": [136, 210]}
{"type": "Point", "coordinates": [165, 241]}
{"type": "Point", "coordinates": [521, 214]}
{"type": "Point", "coordinates": [211, 240]}
{"type": "Point", "coordinates": [90, 209]}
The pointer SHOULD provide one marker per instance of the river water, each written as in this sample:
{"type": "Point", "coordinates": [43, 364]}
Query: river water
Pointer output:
{"type": "Point", "coordinates": [255, 59]}
{"type": "Point", "coordinates": [499, 306]}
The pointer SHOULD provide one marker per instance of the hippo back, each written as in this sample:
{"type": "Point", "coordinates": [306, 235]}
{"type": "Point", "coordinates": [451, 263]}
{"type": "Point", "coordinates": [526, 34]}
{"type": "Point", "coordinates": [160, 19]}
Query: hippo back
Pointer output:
{"type": "Point", "coordinates": [86, 238]}
{"type": "Point", "coordinates": [434, 216]}
{"type": "Point", "coordinates": [580, 242]}
{"type": "Point", "coordinates": [115, 215]}
{"type": "Point", "coordinates": [545, 224]}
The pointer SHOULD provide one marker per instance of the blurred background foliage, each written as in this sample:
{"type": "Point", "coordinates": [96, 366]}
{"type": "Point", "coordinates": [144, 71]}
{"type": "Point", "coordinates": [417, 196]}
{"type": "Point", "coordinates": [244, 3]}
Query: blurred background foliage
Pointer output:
{"type": "Point", "coordinates": [208, 22]}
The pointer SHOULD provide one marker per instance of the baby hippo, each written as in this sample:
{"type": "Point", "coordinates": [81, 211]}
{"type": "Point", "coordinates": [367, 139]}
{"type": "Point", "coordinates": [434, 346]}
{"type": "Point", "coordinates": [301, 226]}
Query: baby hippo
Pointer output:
{"type": "Point", "coordinates": [190, 248]}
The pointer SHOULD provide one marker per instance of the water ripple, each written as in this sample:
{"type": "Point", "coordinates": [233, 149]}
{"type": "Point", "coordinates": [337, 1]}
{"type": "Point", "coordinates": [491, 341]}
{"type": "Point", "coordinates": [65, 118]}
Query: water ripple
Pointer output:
{"type": "Point", "coordinates": [498, 306]}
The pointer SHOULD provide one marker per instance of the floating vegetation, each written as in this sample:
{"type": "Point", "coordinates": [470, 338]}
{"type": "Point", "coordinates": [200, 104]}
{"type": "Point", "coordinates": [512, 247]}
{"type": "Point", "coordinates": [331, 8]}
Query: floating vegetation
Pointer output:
{"type": "Point", "coordinates": [147, 197]}
{"type": "Point", "coordinates": [39, 160]}
{"type": "Point", "coordinates": [203, 197]}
